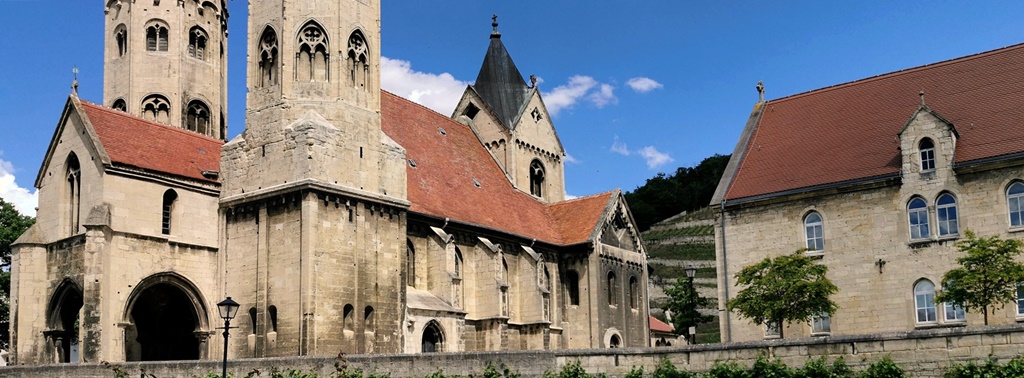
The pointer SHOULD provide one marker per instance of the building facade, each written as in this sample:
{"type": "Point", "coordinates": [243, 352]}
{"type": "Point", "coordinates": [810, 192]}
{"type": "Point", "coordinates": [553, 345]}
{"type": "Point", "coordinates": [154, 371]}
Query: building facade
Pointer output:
{"type": "Point", "coordinates": [878, 178]}
{"type": "Point", "coordinates": [344, 219]}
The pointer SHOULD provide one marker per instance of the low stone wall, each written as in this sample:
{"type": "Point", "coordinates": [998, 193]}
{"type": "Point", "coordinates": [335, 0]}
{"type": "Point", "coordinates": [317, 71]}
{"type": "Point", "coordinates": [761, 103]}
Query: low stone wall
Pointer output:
{"type": "Point", "coordinates": [923, 353]}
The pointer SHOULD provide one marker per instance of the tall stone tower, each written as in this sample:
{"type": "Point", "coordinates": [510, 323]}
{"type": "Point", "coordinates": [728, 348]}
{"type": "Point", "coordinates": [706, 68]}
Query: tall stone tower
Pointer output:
{"type": "Point", "coordinates": [166, 60]}
{"type": "Point", "coordinates": [313, 194]}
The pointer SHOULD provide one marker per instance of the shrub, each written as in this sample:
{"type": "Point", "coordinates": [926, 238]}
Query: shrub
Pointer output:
{"type": "Point", "coordinates": [666, 369]}
{"type": "Point", "coordinates": [727, 370]}
{"type": "Point", "coordinates": [819, 368]}
{"type": "Point", "coordinates": [765, 368]}
{"type": "Point", "coordinates": [883, 368]}
{"type": "Point", "coordinates": [635, 372]}
{"type": "Point", "coordinates": [569, 370]}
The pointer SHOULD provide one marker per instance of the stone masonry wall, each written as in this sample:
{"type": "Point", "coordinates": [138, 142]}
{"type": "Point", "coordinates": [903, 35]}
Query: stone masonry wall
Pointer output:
{"type": "Point", "coordinates": [920, 353]}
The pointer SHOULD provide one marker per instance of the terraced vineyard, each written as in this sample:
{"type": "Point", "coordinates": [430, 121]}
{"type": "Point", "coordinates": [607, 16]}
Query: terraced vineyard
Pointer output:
{"type": "Point", "coordinates": [673, 244]}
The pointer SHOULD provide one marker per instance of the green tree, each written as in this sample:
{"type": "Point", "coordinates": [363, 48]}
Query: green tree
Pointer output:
{"type": "Point", "coordinates": [12, 225]}
{"type": "Point", "coordinates": [684, 301]}
{"type": "Point", "coordinates": [688, 189]}
{"type": "Point", "coordinates": [785, 289]}
{"type": "Point", "coordinates": [988, 274]}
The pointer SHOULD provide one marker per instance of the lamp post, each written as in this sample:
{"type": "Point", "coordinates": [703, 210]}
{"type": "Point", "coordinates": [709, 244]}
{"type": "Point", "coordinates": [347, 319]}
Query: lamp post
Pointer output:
{"type": "Point", "coordinates": [228, 309]}
{"type": "Point", "coordinates": [690, 272]}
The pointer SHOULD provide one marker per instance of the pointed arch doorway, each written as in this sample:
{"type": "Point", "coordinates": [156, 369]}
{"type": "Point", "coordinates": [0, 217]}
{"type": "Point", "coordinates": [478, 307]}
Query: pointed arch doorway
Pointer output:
{"type": "Point", "coordinates": [167, 320]}
{"type": "Point", "coordinates": [62, 321]}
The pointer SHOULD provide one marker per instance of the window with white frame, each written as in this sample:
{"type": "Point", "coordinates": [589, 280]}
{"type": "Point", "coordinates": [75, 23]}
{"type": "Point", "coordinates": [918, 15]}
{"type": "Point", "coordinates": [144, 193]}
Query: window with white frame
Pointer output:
{"type": "Point", "coordinates": [772, 329]}
{"type": "Point", "coordinates": [953, 312]}
{"type": "Point", "coordinates": [1015, 201]}
{"type": "Point", "coordinates": [924, 302]}
{"type": "Point", "coordinates": [945, 210]}
{"type": "Point", "coordinates": [927, 149]}
{"type": "Point", "coordinates": [1020, 299]}
{"type": "Point", "coordinates": [814, 232]}
{"type": "Point", "coordinates": [821, 323]}
{"type": "Point", "coordinates": [917, 211]}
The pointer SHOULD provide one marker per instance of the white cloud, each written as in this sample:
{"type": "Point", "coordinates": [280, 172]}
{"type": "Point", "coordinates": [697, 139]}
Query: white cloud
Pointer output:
{"type": "Point", "coordinates": [571, 160]}
{"type": "Point", "coordinates": [619, 147]}
{"type": "Point", "coordinates": [565, 96]}
{"type": "Point", "coordinates": [654, 157]}
{"type": "Point", "coordinates": [440, 92]}
{"type": "Point", "coordinates": [643, 84]}
{"type": "Point", "coordinates": [570, 197]}
{"type": "Point", "coordinates": [24, 201]}
{"type": "Point", "coordinates": [605, 95]}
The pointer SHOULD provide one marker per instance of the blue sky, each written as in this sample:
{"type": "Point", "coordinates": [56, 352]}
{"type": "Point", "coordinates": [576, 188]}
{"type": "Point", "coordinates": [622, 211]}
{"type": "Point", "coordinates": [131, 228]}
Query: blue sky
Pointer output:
{"type": "Point", "coordinates": [693, 66]}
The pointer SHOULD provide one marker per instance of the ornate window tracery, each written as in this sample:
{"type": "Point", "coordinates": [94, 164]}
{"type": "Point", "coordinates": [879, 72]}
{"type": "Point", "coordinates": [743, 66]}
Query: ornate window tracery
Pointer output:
{"type": "Point", "coordinates": [156, 108]}
{"type": "Point", "coordinates": [358, 59]}
{"type": "Point", "coordinates": [156, 36]}
{"type": "Point", "coordinates": [267, 63]}
{"type": "Point", "coordinates": [197, 118]}
{"type": "Point", "coordinates": [121, 38]}
{"type": "Point", "coordinates": [312, 60]}
{"type": "Point", "coordinates": [119, 105]}
{"type": "Point", "coordinates": [197, 43]}
{"type": "Point", "coordinates": [537, 178]}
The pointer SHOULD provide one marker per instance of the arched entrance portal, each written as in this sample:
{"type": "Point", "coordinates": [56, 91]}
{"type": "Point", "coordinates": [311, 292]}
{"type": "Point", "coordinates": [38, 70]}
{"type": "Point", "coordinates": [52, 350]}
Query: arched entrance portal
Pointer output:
{"type": "Point", "coordinates": [168, 321]}
{"type": "Point", "coordinates": [433, 339]}
{"type": "Point", "coordinates": [62, 320]}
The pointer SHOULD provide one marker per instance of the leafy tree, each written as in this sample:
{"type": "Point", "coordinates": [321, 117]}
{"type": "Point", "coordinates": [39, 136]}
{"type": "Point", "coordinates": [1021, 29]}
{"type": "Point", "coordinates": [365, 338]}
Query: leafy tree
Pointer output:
{"type": "Point", "coordinates": [12, 225]}
{"type": "Point", "coordinates": [688, 189]}
{"type": "Point", "coordinates": [684, 303]}
{"type": "Point", "coordinates": [785, 289]}
{"type": "Point", "coordinates": [988, 274]}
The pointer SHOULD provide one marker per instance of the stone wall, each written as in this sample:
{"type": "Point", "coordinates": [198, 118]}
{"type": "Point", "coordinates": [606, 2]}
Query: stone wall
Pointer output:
{"type": "Point", "coordinates": [921, 353]}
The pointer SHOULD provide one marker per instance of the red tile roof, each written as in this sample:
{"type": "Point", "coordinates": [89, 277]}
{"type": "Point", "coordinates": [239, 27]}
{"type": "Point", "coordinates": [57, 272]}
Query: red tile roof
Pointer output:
{"type": "Point", "coordinates": [442, 182]}
{"type": "Point", "coordinates": [135, 142]}
{"type": "Point", "coordinates": [849, 131]}
{"type": "Point", "coordinates": [660, 326]}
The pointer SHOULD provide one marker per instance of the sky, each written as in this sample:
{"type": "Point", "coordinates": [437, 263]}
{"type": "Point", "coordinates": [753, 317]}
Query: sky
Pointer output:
{"type": "Point", "coordinates": [635, 87]}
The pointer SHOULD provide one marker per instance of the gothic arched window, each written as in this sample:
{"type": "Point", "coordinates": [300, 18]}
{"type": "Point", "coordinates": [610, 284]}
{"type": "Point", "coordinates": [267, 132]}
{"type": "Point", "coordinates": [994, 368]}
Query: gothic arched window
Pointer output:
{"type": "Point", "coordinates": [927, 149]}
{"type": "Point", "coordinates": [358, 59]}
{"type": "Point", "coordinates": [73, 177]}
{"type": "Point", "coordinates": [536, 178]}
{"type": "Point", "coordinates": [612, 288]}
{"type": "Point", "coordinates": [119, 105]}
{"type": "Point", "coordinates": [197, 118]}
{"type": "Point", "coordinates": [311, 59]}
{"type": "Point", "coordinates": [170, 197]}
{"type": "Point", "coordinates": [410, 264]}
{"type": "Point", "coordinates": [156, 108]}
{"type": "Point", "coordinates": [197, 43]}
{"type": "Point", "coordinates": [814, 232]}
{"type": "Point", "coordinates": [121, 37]}
{"type": "Point", "coordinates": [267, 63]}
{"type": "Point", "coordinates": [156, 36]}
{"type": "Point", "coordinates": [572, 287]}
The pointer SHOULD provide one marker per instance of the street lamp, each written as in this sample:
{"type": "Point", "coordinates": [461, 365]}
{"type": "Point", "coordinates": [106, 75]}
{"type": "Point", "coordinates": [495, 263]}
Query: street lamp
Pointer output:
{"type": "Point", "coordinates": [692, 332]}
{"type": "Point", "coordinates": [228, 309]}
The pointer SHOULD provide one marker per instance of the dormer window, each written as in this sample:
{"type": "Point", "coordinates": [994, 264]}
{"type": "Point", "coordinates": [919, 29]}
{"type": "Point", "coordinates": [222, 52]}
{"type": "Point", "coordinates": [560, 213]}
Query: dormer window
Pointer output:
{"type": "Point", "coordinates": [927, 148]}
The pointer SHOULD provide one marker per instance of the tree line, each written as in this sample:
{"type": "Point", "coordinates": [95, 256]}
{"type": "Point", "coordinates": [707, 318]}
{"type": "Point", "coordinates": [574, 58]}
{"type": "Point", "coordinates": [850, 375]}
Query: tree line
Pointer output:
{"type": "Point", "coordinates": [688, 189]}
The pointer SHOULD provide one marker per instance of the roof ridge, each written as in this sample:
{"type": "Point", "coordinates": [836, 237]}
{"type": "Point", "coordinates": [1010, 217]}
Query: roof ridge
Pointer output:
{"type": "Point", "coordinates": [901, 72]}
{"type": "Point", "coordinates": [169, 127]}
{"type": "Point", "coordinates": [577, 199]}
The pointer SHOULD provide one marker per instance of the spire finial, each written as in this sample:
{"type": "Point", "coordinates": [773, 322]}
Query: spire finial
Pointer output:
{"type": "Point", "coordinates": [760, 91]}
{"type": "Point", "coordinates": [921, 94]}
{"type": "Point", "coordinates": [494, 24]}
{"type": "Point", "coordinates": [74, 84]}
{"type": "Point", "coordinates": [533, 80]}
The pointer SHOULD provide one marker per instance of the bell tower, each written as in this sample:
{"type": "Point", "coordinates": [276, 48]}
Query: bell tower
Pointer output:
{"type": "Point", "coordinates": [166, 61]}
{"type": "Point", "coordinates": [313, 193]}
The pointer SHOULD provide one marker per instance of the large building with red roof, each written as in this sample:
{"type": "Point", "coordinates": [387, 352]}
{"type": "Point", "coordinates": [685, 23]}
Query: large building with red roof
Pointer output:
{"type": "Point", "coordinates": [344, 219]}
{"type": "Point", "coordinates": [878, 178]}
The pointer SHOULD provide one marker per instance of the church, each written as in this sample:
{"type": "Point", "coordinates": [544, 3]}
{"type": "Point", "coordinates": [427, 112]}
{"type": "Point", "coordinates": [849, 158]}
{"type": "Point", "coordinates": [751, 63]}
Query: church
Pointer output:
{"type": "Point", "coordinates": [878, 179]}
{"type": "Point", "coordinates": [344, 219]}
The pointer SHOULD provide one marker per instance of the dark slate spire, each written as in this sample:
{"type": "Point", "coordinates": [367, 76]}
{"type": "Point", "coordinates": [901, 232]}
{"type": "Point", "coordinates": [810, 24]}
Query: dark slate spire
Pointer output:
{"type": "Point", "coordinates": [499, 82]}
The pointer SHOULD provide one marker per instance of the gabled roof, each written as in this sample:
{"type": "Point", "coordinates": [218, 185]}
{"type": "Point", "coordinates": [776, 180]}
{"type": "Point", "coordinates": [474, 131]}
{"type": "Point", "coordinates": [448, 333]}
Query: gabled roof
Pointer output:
{"type": "Point", "coordinates": [848, 132]}
{"type": "Point", "coordinates": [500, 84]}
{"type": "Point", "coordinates": [450, 162]}
{"type": "Point", "coordinates": [135, 142]}
{"type": "Point", "coordinates": [660, 326]}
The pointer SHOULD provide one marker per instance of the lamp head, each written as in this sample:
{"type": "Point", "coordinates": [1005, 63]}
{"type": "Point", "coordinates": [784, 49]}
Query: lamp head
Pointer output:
{"type": "Point", "coordinates": [228, 309]}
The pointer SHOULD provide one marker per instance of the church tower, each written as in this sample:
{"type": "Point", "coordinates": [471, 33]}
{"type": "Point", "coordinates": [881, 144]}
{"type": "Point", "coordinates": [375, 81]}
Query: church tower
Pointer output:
{"type": "Point", "coordinates": [313, 195]}
{"type": "Point", "coordinates": [166, 61]}
{"type": "Point", "coordinates": [510, 119]}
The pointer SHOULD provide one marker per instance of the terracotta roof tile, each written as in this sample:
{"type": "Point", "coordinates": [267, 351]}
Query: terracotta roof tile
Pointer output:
{"type": "Point", "coordinates": [447, 163]}
{"type": "Point", "coordinates": [849, 131]}
{"type": "Point", "coordinates": [660, 326]}
{"type": "Point", "coordinates": [139, 143]}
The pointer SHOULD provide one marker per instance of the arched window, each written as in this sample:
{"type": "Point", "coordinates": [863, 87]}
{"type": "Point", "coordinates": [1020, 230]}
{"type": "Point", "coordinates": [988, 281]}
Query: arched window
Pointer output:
{"type": "Point", "coordinates": [611, 289]}
{"type": "Point", "coordinates": [634, 295]}
{"type": "Point", "coordinates": [73, 177]}
{"type": "Point", "coordinates": [156, 108]}
{"type": "Point", "coordinates": [924, 301]}
{"type": "Point", "coordinates": [927, 149]}
{"type": "Point", "coordinates": [156, 36]}
{"type": "Point", "coordinates": [572, 287]}
{"type": "Point", "coordinates": [348, 318]}
{"type": "Point", "coordinates": [272, 311]}
{"type": "Point", "coordinates": [197, 118]}
{"type": "Point", "coordinates": [545, 278]}
{"type": "Point", "coordinates": [252, 319]}
{"type": "Point", "coordinates": [312, 60]}
{"type": "Point", "coordinates": [945, 210]}
{"type": "Point", "coordinates": [119, 105]}
{"type": "Point", "coordinates": [358, 59]}
{"type": "Point", "coordinates": [410, 263]}
{"type": "Point", "coordinates": [536, 178]}
{"type": "Point", "coordinates": [368, 325]}
{"type": "Point", "coordinates": [433, 338]}
{"type": "Point", "coordinates": [197, 43]}
{"type": "Point", "coordinates": [121, 38]}
{"type": "Point", "coordinates": [458, 262]}
{"type": "Point", "coordinates": [615, 342]}
{"type": "Point", "coordinates": [814, 232]}
{"type": "Point", "coordinates": [1015, 202]}
{"type": "Point", "coordinates": [267, 64]}
{"type": "Point", "coordinates": [170, 197]}
{"type": "Point", "coordinates": [917, 211]}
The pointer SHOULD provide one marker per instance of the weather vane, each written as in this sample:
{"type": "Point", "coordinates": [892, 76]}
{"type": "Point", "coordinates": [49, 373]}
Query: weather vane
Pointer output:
{"type": "Point", "coordinates": [74, 84]}
{"type": "Point", "coordinates": [494, 24]}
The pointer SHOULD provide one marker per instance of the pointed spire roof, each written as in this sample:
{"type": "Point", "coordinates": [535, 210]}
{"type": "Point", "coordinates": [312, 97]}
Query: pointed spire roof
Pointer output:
{"type": "Point", "coordinates": [499, 82]}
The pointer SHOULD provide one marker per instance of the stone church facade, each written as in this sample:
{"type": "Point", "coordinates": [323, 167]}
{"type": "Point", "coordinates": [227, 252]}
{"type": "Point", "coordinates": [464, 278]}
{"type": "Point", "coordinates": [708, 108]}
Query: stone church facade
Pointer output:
{"type": "Point", "coordinates": [343, 219]}
{"type": "Point", "coordinates": [879, 178]}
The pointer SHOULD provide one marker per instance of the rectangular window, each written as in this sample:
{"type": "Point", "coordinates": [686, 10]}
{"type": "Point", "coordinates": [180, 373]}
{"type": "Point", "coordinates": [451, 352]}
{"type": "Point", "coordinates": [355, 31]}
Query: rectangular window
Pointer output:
{"type": "Point", "coordinates": [926, 308]}
{"type": "Point", "coordinates": [821, 323]}
{"type": "Point", "coordinates": [772, 330]}
{"type": "Point", "coordinates": [954, 313]}
{"type": "Point", "coordinates": [1016, 210]}
{"type": "Point", "coordinates": [1020, 299]}
{"type": "Point", "coordinates": [919, 223]}
{"type": "Point", "coordinates": [928, 159]}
